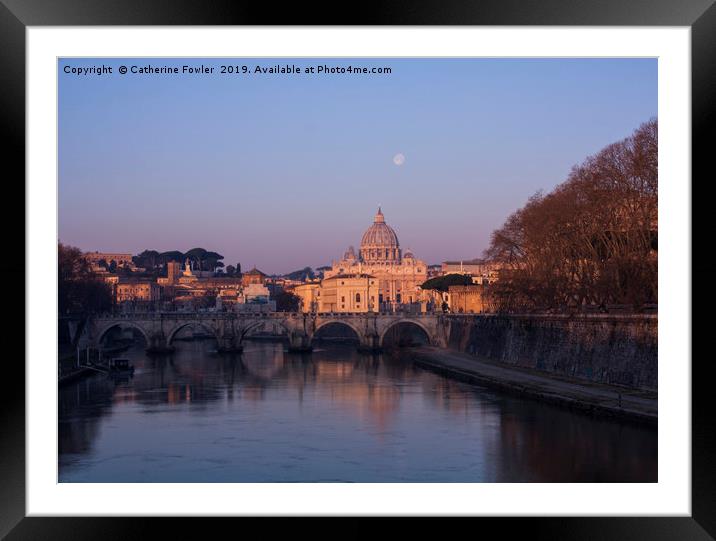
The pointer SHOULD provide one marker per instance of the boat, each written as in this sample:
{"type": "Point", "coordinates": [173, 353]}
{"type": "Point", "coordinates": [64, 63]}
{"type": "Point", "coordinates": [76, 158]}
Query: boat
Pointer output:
{"type": "Point", "coordinates": [120, 366]}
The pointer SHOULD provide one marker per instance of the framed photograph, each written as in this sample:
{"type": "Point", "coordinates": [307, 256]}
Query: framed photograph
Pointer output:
{"type": "Point", "coordinates": [401, 265]}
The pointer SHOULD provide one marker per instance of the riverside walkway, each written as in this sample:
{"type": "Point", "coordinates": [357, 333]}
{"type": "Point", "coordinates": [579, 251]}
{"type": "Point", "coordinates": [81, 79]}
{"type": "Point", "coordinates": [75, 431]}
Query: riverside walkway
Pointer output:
{"type": "Point", "coordinates": [579, 394]}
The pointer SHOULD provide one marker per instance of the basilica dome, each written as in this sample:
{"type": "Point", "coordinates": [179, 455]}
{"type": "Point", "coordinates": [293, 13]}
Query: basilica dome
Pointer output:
{"type": "Point", "coordinates": [379, 242]}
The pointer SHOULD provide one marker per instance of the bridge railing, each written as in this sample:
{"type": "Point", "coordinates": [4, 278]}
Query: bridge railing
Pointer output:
{"type": "Point", "coordinates": [262, 315]}
{"type": "Point", "coordinates": [197, 315]}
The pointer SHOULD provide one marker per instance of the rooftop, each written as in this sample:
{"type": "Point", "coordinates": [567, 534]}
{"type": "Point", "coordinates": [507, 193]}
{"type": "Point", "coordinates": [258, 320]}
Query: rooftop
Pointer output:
{"type": "Point", "coordinates": [352, 275]}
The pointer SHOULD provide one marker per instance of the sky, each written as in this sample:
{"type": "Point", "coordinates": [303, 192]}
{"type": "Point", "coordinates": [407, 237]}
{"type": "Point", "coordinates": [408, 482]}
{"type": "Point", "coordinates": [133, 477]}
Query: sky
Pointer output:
{"type": "Point", "coordinates": [283, 171]}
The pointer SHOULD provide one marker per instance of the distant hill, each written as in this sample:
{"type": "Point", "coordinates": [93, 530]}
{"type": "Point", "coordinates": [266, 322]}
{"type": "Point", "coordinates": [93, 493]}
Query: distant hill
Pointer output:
{"type": "Point", "coordinates": [301, 274]}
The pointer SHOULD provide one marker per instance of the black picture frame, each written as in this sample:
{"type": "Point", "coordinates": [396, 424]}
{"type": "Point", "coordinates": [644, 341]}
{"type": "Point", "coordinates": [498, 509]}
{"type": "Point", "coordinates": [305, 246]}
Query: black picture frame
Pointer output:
{"type": "Point", "coordinates": [17, 15]}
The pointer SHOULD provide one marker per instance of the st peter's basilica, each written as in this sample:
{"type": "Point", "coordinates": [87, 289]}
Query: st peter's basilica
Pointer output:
{"type": "Point", "coordinates": [379, 277]}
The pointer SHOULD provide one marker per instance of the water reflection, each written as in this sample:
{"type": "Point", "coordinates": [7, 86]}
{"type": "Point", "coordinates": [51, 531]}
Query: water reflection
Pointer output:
{"type": "Point", "coordinates": [333, 415]}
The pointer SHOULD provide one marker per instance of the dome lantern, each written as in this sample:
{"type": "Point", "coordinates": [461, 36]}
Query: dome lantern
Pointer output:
{"type": "Point", "coordinates": [379, 218]}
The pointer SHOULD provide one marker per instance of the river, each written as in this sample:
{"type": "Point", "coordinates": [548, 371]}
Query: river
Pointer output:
{"type": "Point", "coordinates": [334, 415]}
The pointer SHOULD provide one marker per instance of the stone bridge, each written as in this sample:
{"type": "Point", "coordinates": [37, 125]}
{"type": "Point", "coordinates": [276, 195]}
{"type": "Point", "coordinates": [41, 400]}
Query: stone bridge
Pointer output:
{"type": "Point", "coordinates": [231, 329]}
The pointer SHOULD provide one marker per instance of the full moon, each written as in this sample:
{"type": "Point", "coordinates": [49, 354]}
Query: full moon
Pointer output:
{"type": "Point", "coordinates": [398, 159]}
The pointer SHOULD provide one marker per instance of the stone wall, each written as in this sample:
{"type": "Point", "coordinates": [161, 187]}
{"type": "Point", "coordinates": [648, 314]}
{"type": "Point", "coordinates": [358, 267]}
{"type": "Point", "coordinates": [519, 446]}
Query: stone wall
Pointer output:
{"type": "Point", "coordinates": [617, 349]}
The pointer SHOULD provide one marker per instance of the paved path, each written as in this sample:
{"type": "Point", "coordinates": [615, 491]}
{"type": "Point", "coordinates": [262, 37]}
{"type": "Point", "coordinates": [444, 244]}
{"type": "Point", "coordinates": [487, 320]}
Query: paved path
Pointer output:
{"type": "Point", "coordinates": [585, 395]}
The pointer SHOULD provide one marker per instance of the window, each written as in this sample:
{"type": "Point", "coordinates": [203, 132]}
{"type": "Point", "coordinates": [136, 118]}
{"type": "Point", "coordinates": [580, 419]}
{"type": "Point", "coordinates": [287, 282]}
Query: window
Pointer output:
{"type": "Point", "coordinates": [357, 297]}
{"type": "Point", "coordinates": [343, 299]}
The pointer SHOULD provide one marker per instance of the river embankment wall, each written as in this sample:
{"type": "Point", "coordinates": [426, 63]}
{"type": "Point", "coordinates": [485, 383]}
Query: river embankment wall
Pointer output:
{"type": "Point", "coordinates": [611, 349]}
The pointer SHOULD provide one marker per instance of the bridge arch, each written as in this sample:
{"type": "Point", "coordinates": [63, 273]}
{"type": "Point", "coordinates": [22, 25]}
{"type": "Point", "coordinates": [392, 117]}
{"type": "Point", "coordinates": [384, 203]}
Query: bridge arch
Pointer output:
{"type": "Point", "coordinates": [336, 322]}
{"type": "Point", "coordinates": [120, 324]}
{"type": "Point", "coordinates": [183, 324]}
{"type": "Point", "coordinates": [245, 331]}
{"type": "Point", "coordinates": [409, 323]}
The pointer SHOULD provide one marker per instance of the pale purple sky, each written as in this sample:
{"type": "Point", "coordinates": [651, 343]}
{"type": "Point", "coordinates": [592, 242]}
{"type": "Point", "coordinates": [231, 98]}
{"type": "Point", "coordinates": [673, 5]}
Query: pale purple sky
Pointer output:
{"type": "Point", "coordinates": [287, 171]}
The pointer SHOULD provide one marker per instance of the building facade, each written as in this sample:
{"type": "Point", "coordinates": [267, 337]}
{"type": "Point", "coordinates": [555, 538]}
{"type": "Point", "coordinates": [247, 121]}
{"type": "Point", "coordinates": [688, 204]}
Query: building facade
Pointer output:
{"type": "Point", "coordinates": [348, 293]}
{"type": "Point", "coordinates": [188, 284]}
{"type": "Point", "coordinates": [468, 299]}
{"type": "Point", "coordinates": [482, 272]}
{"type": "Point", "coordinates": [254, 276]}
{"type": "Point", "coordinates": [309, 295]}
{"type": "Point", "coordinates": [135, 290]}
{"type": "Point", "coordinates": [120, 259]}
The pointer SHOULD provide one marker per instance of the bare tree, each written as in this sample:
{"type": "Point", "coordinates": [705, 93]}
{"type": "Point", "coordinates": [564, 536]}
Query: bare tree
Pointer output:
{"type": "Point", "coordinates": [591, 241]}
